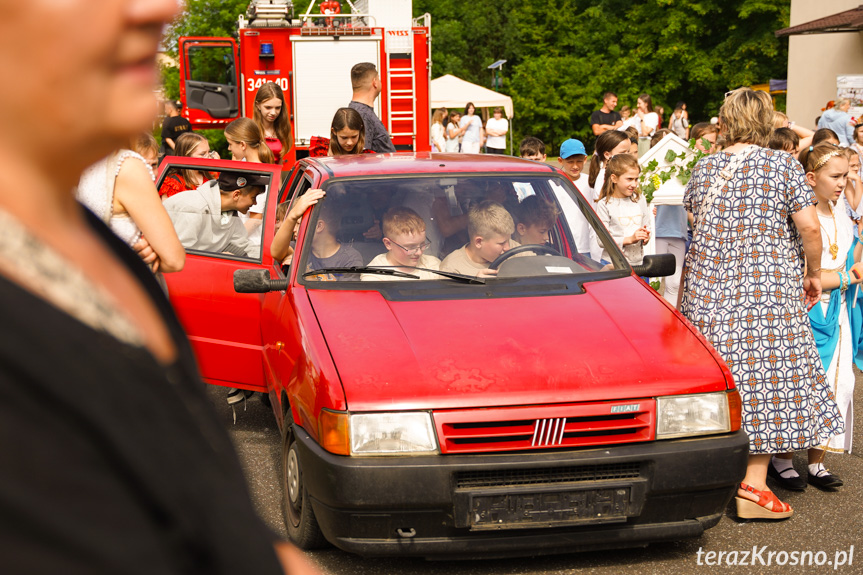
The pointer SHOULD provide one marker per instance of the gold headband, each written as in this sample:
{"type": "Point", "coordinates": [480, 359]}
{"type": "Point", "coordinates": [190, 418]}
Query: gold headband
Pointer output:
{"type": "Point", "coordinates": [826, 158]}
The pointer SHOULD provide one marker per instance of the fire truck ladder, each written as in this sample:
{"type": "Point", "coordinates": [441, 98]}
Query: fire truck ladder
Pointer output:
{"type": "Point", "coordinates": [401, 100]}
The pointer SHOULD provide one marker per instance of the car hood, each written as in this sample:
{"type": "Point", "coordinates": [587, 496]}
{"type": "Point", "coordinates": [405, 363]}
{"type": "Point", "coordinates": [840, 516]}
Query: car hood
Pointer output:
{"type": "Point", "coordinates": [616, 341]}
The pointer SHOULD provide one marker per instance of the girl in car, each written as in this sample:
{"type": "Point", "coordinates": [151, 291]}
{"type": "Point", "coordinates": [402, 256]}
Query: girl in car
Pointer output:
{"type": "Point", "coordinates": [190, 145]}
{"type": "Point", "coordinates": [271, 116]}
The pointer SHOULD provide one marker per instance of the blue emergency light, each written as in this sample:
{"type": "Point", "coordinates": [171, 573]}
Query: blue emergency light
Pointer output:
{"type": "Point", "coordinates": [266, 50]}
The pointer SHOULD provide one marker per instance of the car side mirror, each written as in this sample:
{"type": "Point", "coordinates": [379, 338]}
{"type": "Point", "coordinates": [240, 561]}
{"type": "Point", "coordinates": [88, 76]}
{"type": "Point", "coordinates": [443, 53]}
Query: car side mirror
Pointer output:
{"type": "Point", "coordinates": [257, 281]}
{"type": "Point", "coordinates": [660, 265]}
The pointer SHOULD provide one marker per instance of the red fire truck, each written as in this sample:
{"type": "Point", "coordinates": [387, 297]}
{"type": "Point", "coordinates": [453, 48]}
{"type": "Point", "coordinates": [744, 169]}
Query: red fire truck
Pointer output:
{"type": "Point", "coordinates": [310, 56]}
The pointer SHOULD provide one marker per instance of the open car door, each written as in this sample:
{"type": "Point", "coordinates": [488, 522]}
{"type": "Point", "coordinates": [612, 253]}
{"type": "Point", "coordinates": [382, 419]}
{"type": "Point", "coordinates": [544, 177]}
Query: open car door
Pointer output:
{"type": "Point", "coordinates": [208, 81]}
{"type": "Point", "coordinates": [224, 326]}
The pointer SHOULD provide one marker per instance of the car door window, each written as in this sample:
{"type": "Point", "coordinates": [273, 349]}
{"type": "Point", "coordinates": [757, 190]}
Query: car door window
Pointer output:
{"type": "Point", "coordinates": [223, 216]}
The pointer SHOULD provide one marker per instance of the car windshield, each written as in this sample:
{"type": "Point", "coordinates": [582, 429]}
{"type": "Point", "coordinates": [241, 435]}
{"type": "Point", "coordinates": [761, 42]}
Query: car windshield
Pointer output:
{"type": "Point", "coordinates": [463, 228]}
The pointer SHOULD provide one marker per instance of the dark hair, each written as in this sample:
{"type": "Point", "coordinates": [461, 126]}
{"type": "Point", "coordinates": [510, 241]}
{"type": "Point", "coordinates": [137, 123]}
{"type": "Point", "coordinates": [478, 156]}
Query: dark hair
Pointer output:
{"type": "Point", "coordinates": [823, 134]}
{"type": "Point", "coordinates": [632, 133]}
{"type": "Point", "coordinates": [361, 74]}
{"type": "Point", "coordinates": [617, 166]}
{"type": "Point", "coordinates": [658, 135]}
{"type": "Point", "coordinates": [498, 110]}
{"type": "Point", "coordinates": [609, 95]}
{"type": "Point", "coordinates": [605, 143]}
{"type": "Point", "coordinates": [531, 146]}
{"type": "Point", "coordinates": [815, 155]}
{"type": "Point", "coordinates": [350, 119]}
{"type": "Point", "coordinates": [331, 214]}
{"type": "Point", "coordinates": [535, 210]}
{"type": "Point", "coordinates": [468, 106]}
{"type": "Point", "coordinates": [281, 125]}
{"type": "Point", "coordinates": [782, 139]}
{"type": "Point", "coordinates": [453, 114]}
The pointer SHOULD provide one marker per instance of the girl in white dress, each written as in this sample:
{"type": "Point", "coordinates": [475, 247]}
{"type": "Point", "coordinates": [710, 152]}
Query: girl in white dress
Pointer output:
{"type": "Point", "coordinates": [826, 171]}
{"type": "Point", "coordinates": [623, 210]}
{"type": "Point", "coordinates": [119, 189]}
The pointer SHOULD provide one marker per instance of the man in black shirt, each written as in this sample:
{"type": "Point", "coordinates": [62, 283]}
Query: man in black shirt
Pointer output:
{"type": "Point", "coordinates": [173, 126]}
{"type": "Point", "coordinates": [366, 83]}
{"type": "Point", "coordinates": [606, 118]}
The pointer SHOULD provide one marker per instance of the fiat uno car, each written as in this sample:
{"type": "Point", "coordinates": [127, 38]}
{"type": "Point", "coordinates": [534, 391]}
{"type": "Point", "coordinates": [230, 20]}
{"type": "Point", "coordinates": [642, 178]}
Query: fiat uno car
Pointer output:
{"type": "Point", "coordinates": [559, 405]}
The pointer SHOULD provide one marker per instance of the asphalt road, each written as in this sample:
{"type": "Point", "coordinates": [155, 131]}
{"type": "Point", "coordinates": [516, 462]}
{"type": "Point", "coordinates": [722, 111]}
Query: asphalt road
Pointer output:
{"type": "Point", "coordinates": [823, 522]}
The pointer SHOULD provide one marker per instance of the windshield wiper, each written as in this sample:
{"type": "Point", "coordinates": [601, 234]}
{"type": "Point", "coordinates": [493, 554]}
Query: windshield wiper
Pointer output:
{"type": "Point", "coordinates": [389, 271]}
{"type": "Point", "coordinates": [361, 270]}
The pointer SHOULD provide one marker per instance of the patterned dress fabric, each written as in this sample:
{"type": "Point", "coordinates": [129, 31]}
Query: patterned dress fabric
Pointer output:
{"type": "Point", "coordinates": [743, 291]}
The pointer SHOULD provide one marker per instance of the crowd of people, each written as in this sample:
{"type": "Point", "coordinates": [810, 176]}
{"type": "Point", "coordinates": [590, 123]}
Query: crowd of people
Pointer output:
{"type": "Point", "coordinates": [769, 231]}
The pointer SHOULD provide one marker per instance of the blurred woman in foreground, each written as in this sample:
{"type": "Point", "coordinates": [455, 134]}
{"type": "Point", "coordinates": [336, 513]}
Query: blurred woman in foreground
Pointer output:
{"type": "Point", "coordinates": [113, 460]}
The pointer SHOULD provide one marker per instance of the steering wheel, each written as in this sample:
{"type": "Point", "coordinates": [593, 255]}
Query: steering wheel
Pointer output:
{"type": "Point", "coordinates": [535, 248]}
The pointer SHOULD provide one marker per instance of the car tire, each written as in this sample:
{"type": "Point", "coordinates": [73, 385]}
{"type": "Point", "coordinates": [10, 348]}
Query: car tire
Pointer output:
{"type": "Point", "coordinates": [300, 518]}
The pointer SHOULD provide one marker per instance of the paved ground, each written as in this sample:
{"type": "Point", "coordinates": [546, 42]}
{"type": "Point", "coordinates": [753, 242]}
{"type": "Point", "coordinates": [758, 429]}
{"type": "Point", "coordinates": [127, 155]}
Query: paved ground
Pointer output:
{"type": "Point", "coordinates": [828, 522]}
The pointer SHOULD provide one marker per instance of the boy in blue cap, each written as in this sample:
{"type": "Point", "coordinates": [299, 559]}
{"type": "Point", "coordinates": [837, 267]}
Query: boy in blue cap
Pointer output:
{"type": "Point", "coordinates": [572, 156]}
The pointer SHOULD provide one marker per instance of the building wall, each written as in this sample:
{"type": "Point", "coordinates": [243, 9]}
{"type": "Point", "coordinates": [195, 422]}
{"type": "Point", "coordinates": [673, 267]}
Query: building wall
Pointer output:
{"type": "Point", "coordinates": [814, 60]}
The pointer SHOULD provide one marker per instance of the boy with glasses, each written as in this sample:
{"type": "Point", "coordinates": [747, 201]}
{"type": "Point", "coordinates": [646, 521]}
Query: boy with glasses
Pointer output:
{"type": "Point", "coordinates": [406, 242]}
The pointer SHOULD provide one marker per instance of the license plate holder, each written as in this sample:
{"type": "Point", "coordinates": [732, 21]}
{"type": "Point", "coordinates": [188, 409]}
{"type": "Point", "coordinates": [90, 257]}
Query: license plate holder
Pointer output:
{"type": "Point", "coordinates": [552, 507]}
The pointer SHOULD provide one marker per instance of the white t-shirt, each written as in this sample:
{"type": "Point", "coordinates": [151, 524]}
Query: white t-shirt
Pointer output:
{"type": "Point", "coordinates": [496, 142]}
{"type": "Point", "coordinates": [459, 262]}
{"type": "Point", "coordinates": [578, 225]}
{"type": "Point", "coordinates": [437, 137]}
{"type": "Point", "coordinates": [425, 261]}
{"type": "Point", "coordinates": [472, 133]}
{"type": "Point", "coordinates": [597, 185]}
{"type": "Point", "coordinates": [651, 120]}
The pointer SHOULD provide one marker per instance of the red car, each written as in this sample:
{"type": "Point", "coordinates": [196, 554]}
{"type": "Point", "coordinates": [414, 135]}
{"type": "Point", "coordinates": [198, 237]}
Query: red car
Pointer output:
{"type": "Point", "coordinates": [560, 405]}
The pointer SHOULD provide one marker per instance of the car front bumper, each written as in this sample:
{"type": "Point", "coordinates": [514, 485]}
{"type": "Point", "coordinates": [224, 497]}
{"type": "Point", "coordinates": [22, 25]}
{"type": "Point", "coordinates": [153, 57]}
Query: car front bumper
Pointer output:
{"type": "Point", "coordinates": [430, 505]}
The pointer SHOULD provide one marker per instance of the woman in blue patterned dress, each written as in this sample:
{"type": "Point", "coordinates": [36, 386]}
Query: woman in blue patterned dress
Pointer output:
{"type": "Point", "coordinates": [746, 287]}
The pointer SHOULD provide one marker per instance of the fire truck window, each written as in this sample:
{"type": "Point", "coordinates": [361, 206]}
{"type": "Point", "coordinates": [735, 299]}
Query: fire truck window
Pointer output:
{"type": "Point", "coordinates": [212, 64]}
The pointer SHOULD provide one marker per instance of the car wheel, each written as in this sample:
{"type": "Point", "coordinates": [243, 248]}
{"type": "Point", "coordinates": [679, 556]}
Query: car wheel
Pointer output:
{"type": "Point", "coordinates": [300, 519]}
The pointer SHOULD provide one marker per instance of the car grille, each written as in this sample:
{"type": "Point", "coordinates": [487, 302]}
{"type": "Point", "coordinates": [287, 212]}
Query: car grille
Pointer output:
{"type": "Point", "coordinates": [548, 427]}
{"type": "Point", "coordinates": [548, 476]}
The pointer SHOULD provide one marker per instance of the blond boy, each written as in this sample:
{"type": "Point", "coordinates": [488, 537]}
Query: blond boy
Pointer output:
{"type": "Point", "coordinates": [406, 241]}
{"type": "Point", "coordinates": [489, 228]}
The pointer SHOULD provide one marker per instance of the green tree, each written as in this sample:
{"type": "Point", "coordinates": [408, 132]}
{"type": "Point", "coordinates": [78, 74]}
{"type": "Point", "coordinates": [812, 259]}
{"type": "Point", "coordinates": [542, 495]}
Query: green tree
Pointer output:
{"type": "Point", "coordinates": [563, 54]}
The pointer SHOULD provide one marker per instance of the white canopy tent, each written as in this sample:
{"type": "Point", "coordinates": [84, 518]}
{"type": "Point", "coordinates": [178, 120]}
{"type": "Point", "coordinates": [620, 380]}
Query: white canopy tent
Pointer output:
{"type": "Point", "coordinates": [453, 93]}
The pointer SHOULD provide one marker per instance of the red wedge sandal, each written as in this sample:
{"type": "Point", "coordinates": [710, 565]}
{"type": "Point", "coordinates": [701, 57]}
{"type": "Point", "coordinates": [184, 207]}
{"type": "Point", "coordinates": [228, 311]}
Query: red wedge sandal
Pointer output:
{"type": "Point", "coordinates": [748, 509]}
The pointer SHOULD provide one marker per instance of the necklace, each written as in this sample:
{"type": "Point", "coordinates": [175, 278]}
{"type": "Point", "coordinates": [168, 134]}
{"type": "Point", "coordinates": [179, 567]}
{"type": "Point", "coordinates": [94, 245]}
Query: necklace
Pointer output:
{"type": "Point", "coordinates": [834, 245]}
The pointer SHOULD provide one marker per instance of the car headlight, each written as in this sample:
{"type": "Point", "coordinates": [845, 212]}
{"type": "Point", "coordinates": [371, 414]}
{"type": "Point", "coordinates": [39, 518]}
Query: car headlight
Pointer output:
{"type": "Point", "coordinates": [687, 415]}
{"type": "Point", "coordinates": [392, 433]}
